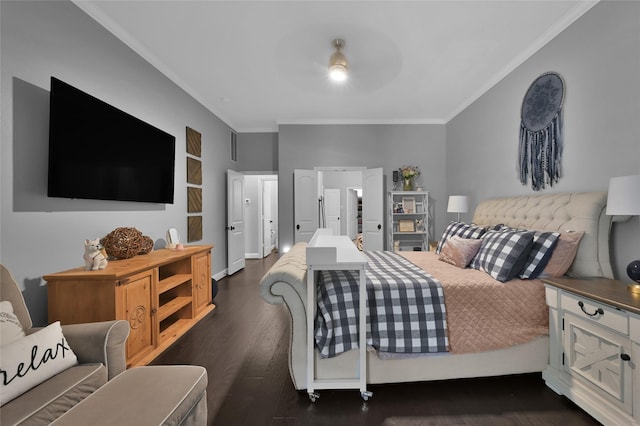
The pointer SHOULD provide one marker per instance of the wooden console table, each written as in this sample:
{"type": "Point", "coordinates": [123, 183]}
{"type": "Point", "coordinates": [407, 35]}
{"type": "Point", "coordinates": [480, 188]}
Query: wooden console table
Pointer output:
{"type": "Point", "coordinates": [161, 294]}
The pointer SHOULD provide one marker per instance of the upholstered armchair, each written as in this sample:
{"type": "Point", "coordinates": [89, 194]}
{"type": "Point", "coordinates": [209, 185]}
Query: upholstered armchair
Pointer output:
{"type": "Point", "coordinates": [99, 347]}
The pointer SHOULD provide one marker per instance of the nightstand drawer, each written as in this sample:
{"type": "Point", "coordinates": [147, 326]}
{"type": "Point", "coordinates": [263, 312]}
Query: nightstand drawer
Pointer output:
{"type": "Point", "coordinates": [595, 312]}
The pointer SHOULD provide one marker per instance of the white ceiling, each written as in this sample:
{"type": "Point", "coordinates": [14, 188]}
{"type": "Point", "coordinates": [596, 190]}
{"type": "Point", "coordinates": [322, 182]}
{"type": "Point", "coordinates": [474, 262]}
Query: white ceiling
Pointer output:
{"type": "Point", "coordinates": [257, 64]}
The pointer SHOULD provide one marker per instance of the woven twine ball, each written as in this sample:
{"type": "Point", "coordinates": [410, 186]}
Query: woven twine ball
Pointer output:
{"type": "Point", "coordinates": [124, 243]}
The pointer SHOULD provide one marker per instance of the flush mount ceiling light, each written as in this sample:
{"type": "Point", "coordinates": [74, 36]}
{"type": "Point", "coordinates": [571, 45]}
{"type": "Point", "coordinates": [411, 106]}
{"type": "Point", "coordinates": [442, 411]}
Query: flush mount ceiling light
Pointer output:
{"type": "Point", "coordinates": [338, 62]}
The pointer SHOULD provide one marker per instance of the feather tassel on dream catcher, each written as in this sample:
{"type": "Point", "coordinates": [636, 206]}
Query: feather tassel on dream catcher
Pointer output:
{"type": "Point", "coordinates": [541, 143]}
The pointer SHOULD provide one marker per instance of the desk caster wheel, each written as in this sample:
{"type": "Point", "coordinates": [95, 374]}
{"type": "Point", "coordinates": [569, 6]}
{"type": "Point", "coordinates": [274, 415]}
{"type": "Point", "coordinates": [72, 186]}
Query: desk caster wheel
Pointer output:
{"type": "Point", "coordinates": [366, 395]}
{"type": "Point", "coordinates": [313, 396]}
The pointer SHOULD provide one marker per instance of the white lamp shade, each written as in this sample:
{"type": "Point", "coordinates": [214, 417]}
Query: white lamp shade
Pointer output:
{"type": "Point", "coordinates": [624, 196]}
{"type": "Point", "coordinates": [458, 204]}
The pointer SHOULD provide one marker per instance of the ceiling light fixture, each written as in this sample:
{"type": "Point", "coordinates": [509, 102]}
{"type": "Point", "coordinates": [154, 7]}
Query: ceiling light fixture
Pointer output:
{"type": "Point", "coordinates": [338, 62]}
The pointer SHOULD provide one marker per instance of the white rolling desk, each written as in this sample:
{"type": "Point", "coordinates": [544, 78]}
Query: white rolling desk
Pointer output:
{"type": "Point", "coordinates": [326, 251]}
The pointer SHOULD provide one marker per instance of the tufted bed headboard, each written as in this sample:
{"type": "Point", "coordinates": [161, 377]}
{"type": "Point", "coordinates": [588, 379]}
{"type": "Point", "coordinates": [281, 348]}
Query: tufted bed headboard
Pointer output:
{"type": "Point", "coordinates": [578, 211]}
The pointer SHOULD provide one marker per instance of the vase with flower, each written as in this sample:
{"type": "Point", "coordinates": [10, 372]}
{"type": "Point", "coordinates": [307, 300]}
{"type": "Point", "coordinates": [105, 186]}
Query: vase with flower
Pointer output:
{"type": "Point", "coordinates": [409, 173]}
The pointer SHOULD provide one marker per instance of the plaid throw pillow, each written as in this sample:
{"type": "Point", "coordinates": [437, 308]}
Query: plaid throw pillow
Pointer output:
{"type": "Point", "coordinates": [543, 247]}
{"type": "Point", "coordinates": [541, 250]}
{"type": "Point", "coordinates": [503, 254]}
{"type": "Point", "coordinates": [462, 230]}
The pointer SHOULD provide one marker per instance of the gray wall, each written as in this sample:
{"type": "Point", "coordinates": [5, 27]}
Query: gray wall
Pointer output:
{"type": "Point", "coordinates": [381, 145]}
{"type": "Point", "coordinates": [258, 152]}
{"type": "Point", "coordinates": [40, 235]}
{"type": "Point", "coordinates": [599, 58]}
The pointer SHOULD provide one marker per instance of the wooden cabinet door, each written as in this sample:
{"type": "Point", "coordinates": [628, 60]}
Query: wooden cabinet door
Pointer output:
{"type": "Point", "coordinates": [595, 354]}
{"type": "Point", "coordinates": [201, 281]}
{"type": "Point", "coordinates": [136, 308]}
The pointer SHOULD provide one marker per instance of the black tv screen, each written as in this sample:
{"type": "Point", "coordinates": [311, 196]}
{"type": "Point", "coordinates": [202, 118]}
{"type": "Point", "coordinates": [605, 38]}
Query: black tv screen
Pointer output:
{"type": "Point", "coordinates": [97, 151]}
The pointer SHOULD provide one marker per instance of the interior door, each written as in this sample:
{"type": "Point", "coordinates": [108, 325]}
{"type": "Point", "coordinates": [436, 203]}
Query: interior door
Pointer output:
{"type": "Point", "coordinates": [352, 213]}
{"type": "Point", "coordinates": [235, 221]}
{"type": "Point", "coordinates": [305, 204]}
{"type": "Point", "coordinates": [332, 209]}
{"type": "Point", "coordinates": [372, 209]}
{"type": "Point", "coordinates": [269, 217]}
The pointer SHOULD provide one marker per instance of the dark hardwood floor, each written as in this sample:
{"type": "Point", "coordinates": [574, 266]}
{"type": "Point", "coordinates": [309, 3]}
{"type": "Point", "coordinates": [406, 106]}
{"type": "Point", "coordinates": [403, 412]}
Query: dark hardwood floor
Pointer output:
{"type": "Point", "coordinates": [244, 343]}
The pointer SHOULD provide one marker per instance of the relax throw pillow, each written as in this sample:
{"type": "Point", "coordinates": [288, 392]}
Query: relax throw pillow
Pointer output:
{"type": "Point", "coordinates": [10, 327]}
{"type": "Point", "coordinates": [30, 360]}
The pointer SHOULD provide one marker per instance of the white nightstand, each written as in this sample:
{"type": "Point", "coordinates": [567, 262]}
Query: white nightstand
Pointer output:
{"type": "Point", "coordinates": [594, 347]}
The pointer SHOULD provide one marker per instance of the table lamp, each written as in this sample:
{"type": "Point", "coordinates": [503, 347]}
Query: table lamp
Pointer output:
{"type": "Point", "coordinates": [458, 204]}
{"type": "Point", "coordinates": [624, 200]}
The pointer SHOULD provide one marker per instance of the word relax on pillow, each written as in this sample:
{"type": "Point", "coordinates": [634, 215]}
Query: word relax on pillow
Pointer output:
{"type": "Point", "coordinates": [30, 360]}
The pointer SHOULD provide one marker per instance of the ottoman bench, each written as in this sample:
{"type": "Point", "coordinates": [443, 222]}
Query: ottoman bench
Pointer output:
{"type": "Point", "coordinates": [151, 395]}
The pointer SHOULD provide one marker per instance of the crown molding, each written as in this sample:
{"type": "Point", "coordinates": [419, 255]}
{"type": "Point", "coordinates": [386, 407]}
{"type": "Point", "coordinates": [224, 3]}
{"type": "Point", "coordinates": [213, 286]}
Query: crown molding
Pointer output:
{"type": "Point", "coordinates": [110, 25]}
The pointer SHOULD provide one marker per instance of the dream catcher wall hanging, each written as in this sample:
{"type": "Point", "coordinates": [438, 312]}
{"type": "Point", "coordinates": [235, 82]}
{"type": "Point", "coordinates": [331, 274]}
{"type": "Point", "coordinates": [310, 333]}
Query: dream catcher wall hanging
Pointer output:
{"type": "Point", "coordinates": [540, 150]}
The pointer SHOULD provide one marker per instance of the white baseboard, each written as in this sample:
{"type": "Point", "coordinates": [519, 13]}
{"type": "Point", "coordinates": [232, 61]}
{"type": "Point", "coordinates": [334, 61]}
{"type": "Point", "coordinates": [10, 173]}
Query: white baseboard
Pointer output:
{"type": "Point", "coordinates": [220, 275]}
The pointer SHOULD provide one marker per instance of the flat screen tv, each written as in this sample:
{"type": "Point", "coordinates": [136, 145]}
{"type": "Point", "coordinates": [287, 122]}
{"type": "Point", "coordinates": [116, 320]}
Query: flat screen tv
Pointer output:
{"type": "Point", "coordinates": [97, 151]}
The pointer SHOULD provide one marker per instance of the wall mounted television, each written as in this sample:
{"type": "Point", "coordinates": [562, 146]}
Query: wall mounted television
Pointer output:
{"type": "Point", "coordinates": [97, 151]}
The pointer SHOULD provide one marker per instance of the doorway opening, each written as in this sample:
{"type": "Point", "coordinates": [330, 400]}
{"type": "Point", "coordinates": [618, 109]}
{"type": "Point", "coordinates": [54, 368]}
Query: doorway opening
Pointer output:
{"type": "Point", "coordinates": [261, 215]}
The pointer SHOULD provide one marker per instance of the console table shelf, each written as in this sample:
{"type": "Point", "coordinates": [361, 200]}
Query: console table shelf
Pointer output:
{"type": "Point", "coordinates": [173, 281]}
{"type": "Point", "coordinates": [161, 294]}
{"type": "Point", "coordinates": [172, 306]}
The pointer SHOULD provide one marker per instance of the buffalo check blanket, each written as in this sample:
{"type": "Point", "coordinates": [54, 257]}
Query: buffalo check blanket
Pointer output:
{"type": "Point", "coordinates": [405, 308]}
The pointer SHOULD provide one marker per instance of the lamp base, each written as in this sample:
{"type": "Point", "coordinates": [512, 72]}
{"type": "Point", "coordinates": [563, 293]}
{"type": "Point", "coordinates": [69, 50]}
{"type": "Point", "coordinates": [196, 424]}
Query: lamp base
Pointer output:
{"type": "Point", "coordinates": [634, 288]}
{"type": "Point", "coordinates": [633, 270]}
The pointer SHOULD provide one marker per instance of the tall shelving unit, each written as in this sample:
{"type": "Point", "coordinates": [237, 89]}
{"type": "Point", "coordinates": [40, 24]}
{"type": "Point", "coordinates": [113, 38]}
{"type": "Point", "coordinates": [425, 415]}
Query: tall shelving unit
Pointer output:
{"type": "Point", "coordinates": [408, 221]}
